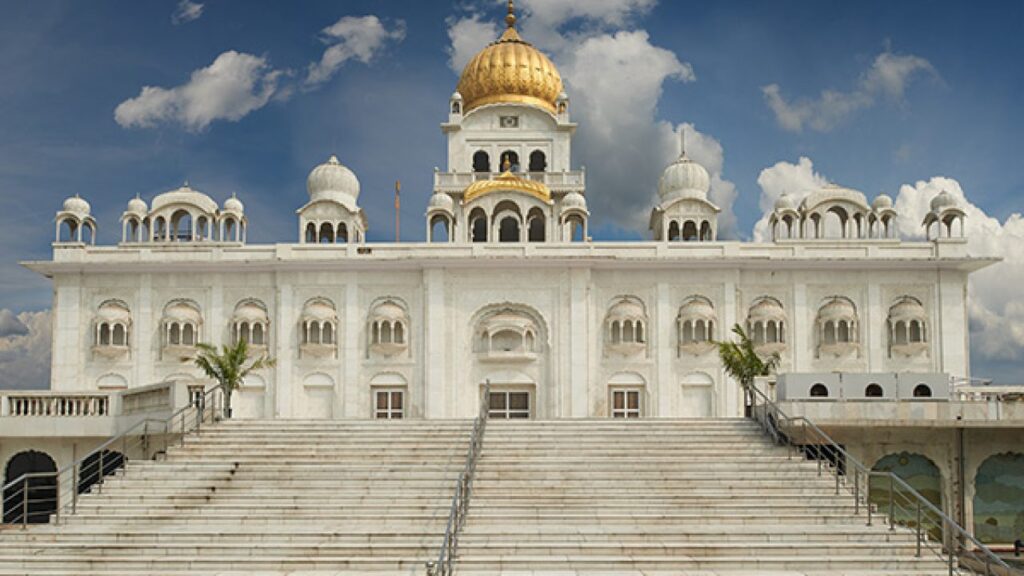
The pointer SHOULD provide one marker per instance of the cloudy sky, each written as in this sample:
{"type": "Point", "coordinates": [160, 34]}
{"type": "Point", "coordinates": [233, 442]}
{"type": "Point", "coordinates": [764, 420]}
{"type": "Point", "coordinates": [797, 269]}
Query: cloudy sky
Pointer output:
{"type": "Point", "coordinates": [117, 98]}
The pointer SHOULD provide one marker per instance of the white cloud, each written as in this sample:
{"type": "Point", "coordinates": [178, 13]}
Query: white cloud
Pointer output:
{"type": "Point", "coordinates": [186, 12]}
{"type": "Point", "coordinates": [25, 357]}
{"type": "Point", "coordinates": [359, 37]}
{"type": "Point", "coordinates": [614, 78]}
{"type": "Point", "coordinates": [10, 325]}
{"type": "Point", "coordinates": [996, 302]}
{"type": "Point", "coordinates": [996, 305]}
{"type": "Point", "coordinates": [888, 76]}
{"type": "Point", "coordinates": [467, 36]}
{"type": "Point", "coordinates": [797, 180]}
{"type": "Point", "coordinates": [234, 85]}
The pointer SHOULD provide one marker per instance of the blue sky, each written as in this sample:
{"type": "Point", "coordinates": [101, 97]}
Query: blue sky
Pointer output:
{"type": "Point", "coordinates": [920, 90]}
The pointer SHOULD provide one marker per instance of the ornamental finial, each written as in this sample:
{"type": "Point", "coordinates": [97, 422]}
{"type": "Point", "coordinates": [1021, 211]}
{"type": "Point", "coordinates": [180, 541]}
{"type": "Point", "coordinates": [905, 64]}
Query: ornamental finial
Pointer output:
{"type": "Point", "coordinates": [510, 19]}
{"type": "Point", "coordinates": [682, 142]}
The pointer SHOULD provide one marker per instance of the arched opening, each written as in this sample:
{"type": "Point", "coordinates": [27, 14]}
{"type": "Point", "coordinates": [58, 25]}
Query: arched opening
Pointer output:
{"type": "Point", "coordinates": [188, 335]}
{"type": "Point", "coordinates": [819, 390]}
{"type": "Point", "coordinates": [456, 108]}
{"type": "Point", "coordinates": [33, 500]}
{"type": "Point", "coordinates": [310, 233]}
{"type": "Point", "coordinates": [97, 466]}
{"type": "Point", "coordinates": [508, 229]}
{"type": "Point", "coordinates": [921, 474]}
{"type": "Point", "coordinates": [673, 231]}
{"type": "Point", "coordinates": [922, 391]}
{"type": "Point", "coordinates": [439, 229]}
{"type": "Point", "coordinates": [478, 225]}
{"type": "Point", "coordinates": [399, 333]}
{"type": "Point", "coordinates": [873, 391]}
{"type": "Point", "coordinates": [342, 233]}
{"type": "Point", "coordinates": [616, 332]}
{"type": "Point", "coordinates": [689, 231]}
{"type": "Point", "coordinates": [509, 161]}
{"type": "Point", "coordinates": [230, 230]}
{"type": "Point", "coordinates": [535, 228]}
{"type": "Point", "coordinates": [771, 332]}
{"type": "Point", "coordinates": [538, 162]}
{"type": "Point", "coordinates": [160, 228]}
{"type": "Point", "coordinates": [828, 334]}
{"type": "Point", "coordinates": [88, 233]}
{"type": "Point", "coordinates": [328, 333]}
{"type": "Point", "coordinates": [120, 337]}
{"type": "Point", "coordinates": [134, 229]}
{"type": "Point", "coordinates": [843, 334]}
{"type": "Point", "coordinates": [916, 333]}
{"type": "Point", "coordinates": [998, 503]}
{"type": "Point", "coordinates": [258, 335]}
{"type": "Point", "coordinates": [576, 228]}
{"type": "Point", "coordinates": [181, 226]}
{"type": "Point", "coordinates": [68, 230]}
{"type": "Point", "coordinates": [174, 334]}
{"type": "Point", "coordinates": [202, 228]}
{"type": "Point", "coordinates": [326, 233]}
{"type": "Point", "coordinates": [705, 231]}
{"type": "Point", "coordinates": [481, 161]}
{"type": "Point", "coordinates": [104, 336]}
{"type": "Point", "coordinates": [900, 334]}
{"type": "Point", "coordinates": [835, 225]}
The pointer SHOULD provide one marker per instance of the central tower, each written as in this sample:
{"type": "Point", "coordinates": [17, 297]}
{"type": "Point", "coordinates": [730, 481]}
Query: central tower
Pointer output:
{"type": "Point", "coordinates": [509, 176]}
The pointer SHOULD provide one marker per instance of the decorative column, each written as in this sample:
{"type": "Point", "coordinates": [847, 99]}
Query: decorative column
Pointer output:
{"type": "Point", "coordinates": [352, 389]}
{"type": "Point", "coordinates": [579, 360]}
{"type": "Point", "coordinates": [437, 390]}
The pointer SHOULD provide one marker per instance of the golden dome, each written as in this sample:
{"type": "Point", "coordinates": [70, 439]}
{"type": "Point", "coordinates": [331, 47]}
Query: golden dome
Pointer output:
{"type": "Point", "coordinates": [510, 70]}
{"type": "Point", "coordinates": [507, 182]}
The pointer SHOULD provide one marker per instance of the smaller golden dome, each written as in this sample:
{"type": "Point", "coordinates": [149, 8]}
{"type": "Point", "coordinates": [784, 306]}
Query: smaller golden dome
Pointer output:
{"type": "Point", "coordinates": [510, 70]}
{"type": "Point", "coordinates": [504, 183]}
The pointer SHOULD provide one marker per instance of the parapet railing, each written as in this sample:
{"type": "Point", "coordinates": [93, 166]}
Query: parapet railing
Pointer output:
{"type": "Point", "coordinates": [55, 404]}
{"type": "Point", "coordinates": [446, 557]}
{"type": "Point", "coordinates": [902, 505]}
{"type": "Point", "coordinates": [34, 497]}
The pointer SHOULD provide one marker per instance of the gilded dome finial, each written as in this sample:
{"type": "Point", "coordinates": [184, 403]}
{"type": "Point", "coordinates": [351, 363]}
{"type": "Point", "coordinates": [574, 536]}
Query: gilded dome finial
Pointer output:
{"type": "Point", "coordinates": [510, 19]}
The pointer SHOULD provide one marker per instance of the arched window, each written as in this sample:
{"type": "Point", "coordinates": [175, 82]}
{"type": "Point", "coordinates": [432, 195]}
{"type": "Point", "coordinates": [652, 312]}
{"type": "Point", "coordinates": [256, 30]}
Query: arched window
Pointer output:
{"type": "Point", "coordinates": [705, 231]}
{"type": "Point", "coordinates": [538, 162]}
{"type": "Point", "coordinates": [181, 226]}
{"type": "Point", "coordinates": [68, 230]}
{"type": "Point", "coordinates": [456, 108]}
{"type": "Point", "coordinates": [481, 162]}
{"type": "Point", "coordinates": [509, 161]}
{"type": "Point", "coordinates": [120, 336]}
{"type": "Point", "coordinates": [188, 335]}
{"type": "Point", "coordinates": [342, 235]}
{"type": "Point", "coordinates": [922, 391]}
{"type": "Point", "coordinates": [819, 390]}
{"type": "Point", "coordinates": [160, 228]}
{"type": "Point", "coordinates": [230, 230]}
{"type": "Point", "coordinates": [673, 231]}
{"type": "Point", "coordinates": [508, 229]}
{"type": "Point", "coordinates": [439, 229]}
{"type": "Point", "coordinates": [310, 233]}
{"type": "Point", "coordinates": [689, 231]}
{"type": "Point", "coordinates": [326, 233]}
{"type": "Point", "coordinates": [577, 230]}
{"type": "Point", "coordinates": [39, 491]}
{"type": "Point", "coordinates": [916, 334]}
{"type": "Point", "coordinates": [478, 226]}
{"type": "Point", "coordinates": [873, 391]}
{"type": "Point", "coordinates": [536, 228]}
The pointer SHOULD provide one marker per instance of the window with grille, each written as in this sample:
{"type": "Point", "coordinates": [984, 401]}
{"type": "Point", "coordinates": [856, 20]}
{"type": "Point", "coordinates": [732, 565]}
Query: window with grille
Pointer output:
{"type": "Point", "coordinates": [625, 403]}
{"type": "Point", "coordinates": [509, 405]}
{"type": "Point", "coordinates": [390, 404]}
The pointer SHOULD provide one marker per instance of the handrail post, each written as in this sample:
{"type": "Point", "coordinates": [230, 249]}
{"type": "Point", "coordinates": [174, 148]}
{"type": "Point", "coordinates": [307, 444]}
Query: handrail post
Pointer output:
{"type": "Point", "coordinates": [24, 502]}
{"type": "Point", "coordinates": [892, 504]}
{"type": "Point", "coordinates": [99, 472]}
{"type": "Point", "coordinates": [431, 568]}
{"type": "Point", "coordinates": [918, 529]}
{"type": "Point", "coordinates": [950, 552]}
{"type": "Point", "coordinates": [856, 495]}
{"type": "Point", "coordinates": [74, 487]}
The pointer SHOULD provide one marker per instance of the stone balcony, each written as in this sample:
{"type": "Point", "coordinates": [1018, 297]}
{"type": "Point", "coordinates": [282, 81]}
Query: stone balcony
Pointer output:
{"type": "Point", "coordinates": [46, 413]}
{"type": "Point", "coordinates": [558, 182]}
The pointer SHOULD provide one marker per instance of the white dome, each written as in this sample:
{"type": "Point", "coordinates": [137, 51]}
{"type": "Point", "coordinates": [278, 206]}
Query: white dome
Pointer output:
{"type": "Point", "coordinates": [251, 312]}
{"type": "Point", "coordinates": [233, 204]}
{"type": "Point", "coordinates": [942, 201]}
{"type": "Point", "coordinates": [441, 201]}
{"type": "Point", "coordinates": [137, 206]}
{"type": "Point", "coordinates": [785, 202]}
{"type": "Point", "coordinates": [574, 200]}
{"type": "Point", "coordinates": [185, 195]}
{"type": "Point", "coordinates": [332, 178]}
{"type": "Point", "coordinates": [838, 308]}
{"type": "Point", "coordinates": [882, 202]}
{"type": "Point", "coordinates": [456, 96]}
{"type": "Point", "coordinates": [78, 205]}
{"type": "Point", "coordinates": [387, 310]}
{"type": "Point", "coordinates": [684, 177]}
{"type": "Point", "coordinates": [319, 310]}
{"type": "Point", "coordinates": [697, 307]}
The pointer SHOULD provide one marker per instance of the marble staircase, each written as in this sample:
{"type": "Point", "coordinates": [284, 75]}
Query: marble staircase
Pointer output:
{"type": "Point", "coordinates": [587, 497]}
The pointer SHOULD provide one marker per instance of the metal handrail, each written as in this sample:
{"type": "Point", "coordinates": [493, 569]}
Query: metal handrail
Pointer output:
{"type": "Point", "coordinates": [445, 564]}
{"type": "Point", "coordinates": [952, 548]}
{"type": "Point", "coordinates": [88, 472]}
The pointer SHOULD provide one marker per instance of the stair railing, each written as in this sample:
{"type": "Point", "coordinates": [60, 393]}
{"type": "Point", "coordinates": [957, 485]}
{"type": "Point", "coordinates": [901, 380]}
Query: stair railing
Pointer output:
{"type": "Point", "coordinates": [34, 497]}
{"type": "Point", "coordinates": [902, 505]}
{"type": "Point", "coordinates": [445, 564]}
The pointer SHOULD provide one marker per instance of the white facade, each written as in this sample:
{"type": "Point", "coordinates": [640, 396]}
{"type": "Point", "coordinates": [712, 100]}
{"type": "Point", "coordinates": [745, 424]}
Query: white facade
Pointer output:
{"type": "Point", "coordinates": [508, 288]}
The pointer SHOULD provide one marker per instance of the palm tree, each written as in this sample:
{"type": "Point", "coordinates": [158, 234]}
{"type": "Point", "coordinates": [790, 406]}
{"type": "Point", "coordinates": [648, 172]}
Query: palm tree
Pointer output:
{"type": "Point", "coordinates": [228, 367]}
{"type": "Point", "coordinates": [742, 362]}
